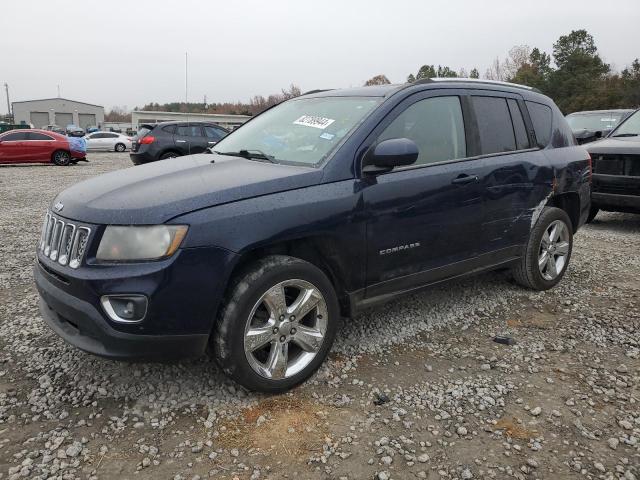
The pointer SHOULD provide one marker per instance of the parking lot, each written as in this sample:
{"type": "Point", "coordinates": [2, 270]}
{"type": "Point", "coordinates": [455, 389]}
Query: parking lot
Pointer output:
{"type": "Point", "coordinates": [414, 389]}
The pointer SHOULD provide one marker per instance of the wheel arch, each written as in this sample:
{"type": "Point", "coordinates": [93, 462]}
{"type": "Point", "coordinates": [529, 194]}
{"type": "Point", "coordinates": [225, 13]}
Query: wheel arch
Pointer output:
{"type": "Point", "coordinates": [570, 203]}
{"type": "Point", "coordinates": [317, 250]}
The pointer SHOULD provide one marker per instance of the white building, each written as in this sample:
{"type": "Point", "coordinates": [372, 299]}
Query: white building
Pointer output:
{"type": "Point", "coordinates": [57, 111]}
{"type": "Point", "coordinates": [227, 121]}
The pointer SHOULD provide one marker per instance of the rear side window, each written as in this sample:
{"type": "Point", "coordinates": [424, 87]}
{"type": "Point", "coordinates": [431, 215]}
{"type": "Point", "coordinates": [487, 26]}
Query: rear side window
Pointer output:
{"type": "Point", "coordinates": [189, 131]}
{"type": "Point", "coordinates": [494, 125]}
{"type": "Point", "coordinates": [14, 137]}
{"type": "Point", "coordinates": [541, 118]}
{"type": "Point", "coordinates": [522, 140]}
{"type": "Point", "coordinates": [171, 129]}
{"type": "Point", "coordinates": [435, 125]}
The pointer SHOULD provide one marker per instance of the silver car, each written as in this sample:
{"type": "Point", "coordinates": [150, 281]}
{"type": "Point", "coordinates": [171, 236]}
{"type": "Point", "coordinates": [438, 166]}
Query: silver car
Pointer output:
{"type": "Point", "coordinates": [110, 141]}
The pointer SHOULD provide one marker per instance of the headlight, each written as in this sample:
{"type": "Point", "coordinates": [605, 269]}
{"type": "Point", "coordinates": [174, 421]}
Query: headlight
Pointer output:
{"type": "Point", "coordinates": [150, 242]}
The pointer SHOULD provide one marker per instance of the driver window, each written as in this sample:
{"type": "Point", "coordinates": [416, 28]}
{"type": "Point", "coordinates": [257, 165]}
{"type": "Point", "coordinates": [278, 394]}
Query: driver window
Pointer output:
{"type": "Point", "coordinates": [435, 125]}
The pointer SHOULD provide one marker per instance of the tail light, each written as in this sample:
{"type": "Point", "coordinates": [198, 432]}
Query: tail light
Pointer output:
{"type": "Point", "coordinates": [147, 140]}
{"type": "Point", "coordinates": [590, 166]}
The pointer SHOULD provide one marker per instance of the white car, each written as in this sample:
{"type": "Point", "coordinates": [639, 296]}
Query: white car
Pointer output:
{"type": "Point", "coordinates": [110, 141]}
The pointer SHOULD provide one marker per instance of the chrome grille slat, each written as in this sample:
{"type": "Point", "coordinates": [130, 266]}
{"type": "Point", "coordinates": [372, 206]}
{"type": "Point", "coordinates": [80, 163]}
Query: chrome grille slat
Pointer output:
{"type": "Point", "coordinates": [63, 241]}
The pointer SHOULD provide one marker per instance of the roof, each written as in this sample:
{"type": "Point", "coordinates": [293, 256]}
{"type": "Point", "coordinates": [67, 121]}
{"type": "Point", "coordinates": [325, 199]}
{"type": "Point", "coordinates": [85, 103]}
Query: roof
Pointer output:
{"type": "Point", "coordinates": [57, 98]}
{"type": "Point", "coordinates": [387, 90]}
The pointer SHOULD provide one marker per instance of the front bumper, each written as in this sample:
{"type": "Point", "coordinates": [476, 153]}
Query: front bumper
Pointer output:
{"type": "Point", "coordinates": [616, 192]}
{"type": "Point", "coordinates": [82, 325]}
{"type": "Point", "coordinates": [184, 296]}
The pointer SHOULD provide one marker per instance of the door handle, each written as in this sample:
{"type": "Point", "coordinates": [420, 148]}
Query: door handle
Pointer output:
{"type": "Point", "coordinates": [212, 143]}
{"type": "Point", "coordinates": [464, 179]}
{"type": "Point", "coordinates": [181, 141]}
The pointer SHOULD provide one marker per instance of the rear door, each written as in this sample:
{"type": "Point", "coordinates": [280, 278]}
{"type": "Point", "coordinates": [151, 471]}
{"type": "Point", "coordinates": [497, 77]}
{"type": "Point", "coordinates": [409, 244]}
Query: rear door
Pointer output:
{"type": "Point", "coordinates": [423, 220]}
{"type": "Point", "coordinates": [515, 175]}
{"type": "Point", "coordinates": [189, 138]}
{"type": "Point", "coordinates": [12, 147]}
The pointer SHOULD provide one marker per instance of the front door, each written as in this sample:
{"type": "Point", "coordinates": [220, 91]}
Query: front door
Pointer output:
{"type": "Point", "coordinates": [423, 220]}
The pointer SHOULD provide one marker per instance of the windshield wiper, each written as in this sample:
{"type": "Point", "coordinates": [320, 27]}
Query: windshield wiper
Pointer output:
{"type": "Point", "coordinates": [257, 154]}
{"type": "Point", "coordinates": [626, 135]}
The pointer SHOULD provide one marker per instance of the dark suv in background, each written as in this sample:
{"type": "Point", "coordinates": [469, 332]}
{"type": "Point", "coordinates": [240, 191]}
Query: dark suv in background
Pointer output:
{"type": "Point", "coordinates": [322, 206]}
{"type": "Point", "coordinates": [616, 169]}
{"type": "Point", "coordinates": [173, 139]}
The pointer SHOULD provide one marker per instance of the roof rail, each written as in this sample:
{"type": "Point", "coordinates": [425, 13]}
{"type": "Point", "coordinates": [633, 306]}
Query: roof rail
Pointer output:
{"type": "Point", "coordinates": [477, 80]}
{"type": "Point", "coordinates": [310, 92]}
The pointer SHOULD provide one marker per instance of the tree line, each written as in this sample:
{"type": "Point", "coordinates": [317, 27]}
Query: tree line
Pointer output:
{"type": "Point", "coordinates": [573, 75]}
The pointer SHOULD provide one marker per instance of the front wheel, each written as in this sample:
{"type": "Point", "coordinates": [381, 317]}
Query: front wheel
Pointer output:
{"type": "Point", "coordinates": [277, 325]}
{"type": "Point", "coordinates": [120, 147]}
{"type": "Point", "coordinates": [548, 251]}
{"type": "Point", "coordinates": [61, 158]}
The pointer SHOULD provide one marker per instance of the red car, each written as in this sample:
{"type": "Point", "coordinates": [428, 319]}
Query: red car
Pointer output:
{"type": "Point", "coordinates": [27, 146]}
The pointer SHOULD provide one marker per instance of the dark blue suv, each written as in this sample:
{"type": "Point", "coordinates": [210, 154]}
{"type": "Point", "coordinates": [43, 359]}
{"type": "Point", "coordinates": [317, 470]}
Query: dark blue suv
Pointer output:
{"type": "Point", "coordinates": [317, 208]}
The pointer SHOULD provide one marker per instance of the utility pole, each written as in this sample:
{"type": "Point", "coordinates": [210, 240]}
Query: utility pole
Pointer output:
{"type": "Point", "coordinates": [58, 90]}
{"type": "Point", "coordinates": [186, 77]}
{"type": "Point", "coordinates": [9, 113]}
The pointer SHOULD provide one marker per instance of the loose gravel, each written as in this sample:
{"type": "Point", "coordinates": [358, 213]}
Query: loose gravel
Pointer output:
{"type": "Point", "coordinates": [414, 389]}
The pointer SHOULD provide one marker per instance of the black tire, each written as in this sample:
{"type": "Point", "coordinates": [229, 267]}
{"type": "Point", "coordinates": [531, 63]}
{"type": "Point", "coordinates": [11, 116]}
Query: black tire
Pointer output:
{"type": "Point", "coordinates": [592, 214]}
{"type": "Point", "coordinates": [120, 147]}
{"type": "Point", "coordinates": [244, 295]}
{"type": "Point", "coordinates": [166, 155]}
{"type": "Point", "coordinates": [61, 158]}
{"type": "Point", "coordinates": [527, 272]}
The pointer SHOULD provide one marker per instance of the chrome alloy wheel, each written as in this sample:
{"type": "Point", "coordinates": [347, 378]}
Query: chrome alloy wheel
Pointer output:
{"type": "Point", "coordinates": [554, 249]}
{"type": "Point", "coordinates": [286, 329]}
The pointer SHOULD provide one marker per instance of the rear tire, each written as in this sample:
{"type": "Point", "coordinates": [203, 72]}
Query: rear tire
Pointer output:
{"type": "Point", "coordinates": [61, 158]}
{"type": "Point", "coordinates": [166, 155]}
{"type": "Point", "coordinates": [120, 147]}
{"type": "Point", "coordinates": [592, 214]}
{"type": "Point", "coordinates": [277, 325]}
{"type": "Point", "coordinates": [548, 251]}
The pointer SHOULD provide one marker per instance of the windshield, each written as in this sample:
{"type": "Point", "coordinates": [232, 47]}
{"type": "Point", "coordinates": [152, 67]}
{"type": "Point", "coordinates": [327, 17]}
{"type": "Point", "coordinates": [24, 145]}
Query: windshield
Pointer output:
{"type": "Point", "coordinates": [630, 128]}
{"type": "Point", "coordinates": [142, 131]}
{"type": "Point", "coordinates": [300, 131]}
{"type": "Point", "coordinates": [594, 121]}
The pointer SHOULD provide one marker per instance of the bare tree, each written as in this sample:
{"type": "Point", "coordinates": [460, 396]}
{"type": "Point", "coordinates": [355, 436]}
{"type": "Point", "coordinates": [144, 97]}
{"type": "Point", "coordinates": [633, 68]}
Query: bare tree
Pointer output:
{"type": "Point", "coordinates": [377, 80]}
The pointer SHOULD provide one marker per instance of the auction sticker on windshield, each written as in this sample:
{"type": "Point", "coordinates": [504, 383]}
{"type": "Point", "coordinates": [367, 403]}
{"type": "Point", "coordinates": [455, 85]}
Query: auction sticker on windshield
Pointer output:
{"type": "Point", "coordinates": [313, 121]}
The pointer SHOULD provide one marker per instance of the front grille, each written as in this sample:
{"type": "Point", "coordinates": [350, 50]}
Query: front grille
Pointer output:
{"type": "Point", "coordinates": [626, 165]}
{"type": "Point", "coordinates": [63, 241]}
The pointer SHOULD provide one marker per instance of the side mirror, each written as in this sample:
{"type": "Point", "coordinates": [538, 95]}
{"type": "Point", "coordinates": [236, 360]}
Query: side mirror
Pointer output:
{"type": "Point", "coordinates": [388, 154]}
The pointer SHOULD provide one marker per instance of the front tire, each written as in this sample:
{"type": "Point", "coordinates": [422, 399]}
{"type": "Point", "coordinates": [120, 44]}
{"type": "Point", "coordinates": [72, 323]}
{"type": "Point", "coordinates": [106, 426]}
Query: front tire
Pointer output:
{"type": "Point", "coordinates": [120, 147]}
{"type": "Point", "coordinates": [278, 324]}
{"type": "Point", "coordinates": [548, 251]}
{"type": "Point", "coordinates": [61, 158]}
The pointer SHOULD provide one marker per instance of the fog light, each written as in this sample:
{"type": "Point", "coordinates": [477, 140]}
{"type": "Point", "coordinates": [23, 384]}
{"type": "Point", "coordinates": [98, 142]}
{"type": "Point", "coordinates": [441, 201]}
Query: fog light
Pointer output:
{"type": "Point", "coordinates": [125, 308]}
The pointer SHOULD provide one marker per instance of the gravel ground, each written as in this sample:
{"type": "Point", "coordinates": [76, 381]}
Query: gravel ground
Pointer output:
{"type": "Point", "coordinates": [415, 389]}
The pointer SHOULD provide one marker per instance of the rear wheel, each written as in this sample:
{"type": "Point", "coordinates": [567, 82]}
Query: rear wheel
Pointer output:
{"type": "Point", "coordinates": [166, 155]}
{"type": "Point", "coordinates": [278, 324]}
{"type": "Point", "coordinates": [120, 147]}
{"type": "Point", "coordinates": [548, 251]}
{"type": "Point", "coordinates": [61, 158]}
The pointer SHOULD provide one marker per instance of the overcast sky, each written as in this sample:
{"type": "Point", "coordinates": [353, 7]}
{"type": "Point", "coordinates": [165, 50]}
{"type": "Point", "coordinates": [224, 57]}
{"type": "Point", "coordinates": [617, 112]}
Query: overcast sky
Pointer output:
{"type": "Point", "coordinates": [131, 52]}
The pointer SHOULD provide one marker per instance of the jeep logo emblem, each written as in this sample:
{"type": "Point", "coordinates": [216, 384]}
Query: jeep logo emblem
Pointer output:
{"type": "Point", "coordinates": [58, 207]}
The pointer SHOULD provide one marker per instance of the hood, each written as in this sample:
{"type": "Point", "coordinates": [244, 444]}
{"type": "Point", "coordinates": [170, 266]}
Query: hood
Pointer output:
{"type": "Point", "coordinates": [613, 145]}
{"type": "Point", "coordinates": [157, 192]}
